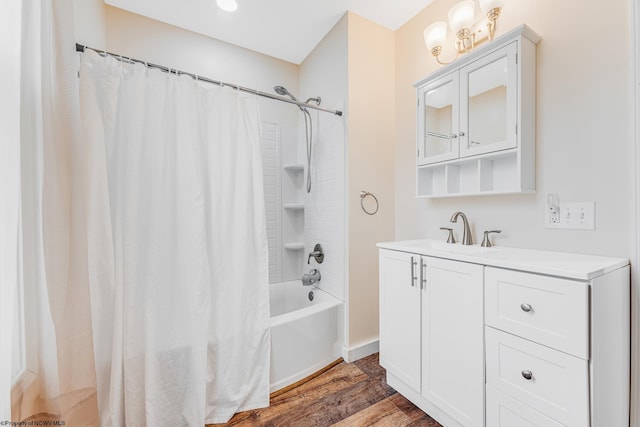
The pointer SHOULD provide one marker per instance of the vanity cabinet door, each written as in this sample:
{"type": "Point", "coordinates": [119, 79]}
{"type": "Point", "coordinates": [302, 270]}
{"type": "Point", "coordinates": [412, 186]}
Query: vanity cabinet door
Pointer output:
{"type": "Point", "coordinates": [452, 339]}
{"type": "Point", "coordinates": [400, 316]}
{"type": "Point", "coordinates": [438, 120]}
{"type": "Point", "coordinates": [488, 107]}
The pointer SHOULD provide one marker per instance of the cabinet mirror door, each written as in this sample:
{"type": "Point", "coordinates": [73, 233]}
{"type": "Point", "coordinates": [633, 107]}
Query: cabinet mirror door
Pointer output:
{"type": "Point", "coordinates": [489, 103]}
{"type": "Point", "coordinates": [438, 139]}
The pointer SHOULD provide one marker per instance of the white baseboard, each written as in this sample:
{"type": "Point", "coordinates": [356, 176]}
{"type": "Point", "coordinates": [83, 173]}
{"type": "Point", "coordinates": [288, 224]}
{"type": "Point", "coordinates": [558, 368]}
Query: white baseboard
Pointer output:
{"type": "Point", "coordinates": [361, 350]}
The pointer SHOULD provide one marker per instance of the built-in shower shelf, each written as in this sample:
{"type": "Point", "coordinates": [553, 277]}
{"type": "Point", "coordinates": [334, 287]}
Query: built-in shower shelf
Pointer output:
{"type": "Point", "coordinates": [294, 206]}
{"type": "Point", "coordinates": [294, 246]}
{"type": "Point", "coordinates": [293, 167]}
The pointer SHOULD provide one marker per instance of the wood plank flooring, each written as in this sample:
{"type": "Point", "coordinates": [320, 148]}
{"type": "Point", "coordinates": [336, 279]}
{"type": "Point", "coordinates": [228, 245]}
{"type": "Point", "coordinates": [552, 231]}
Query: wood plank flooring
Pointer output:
{"type": "Point", "coordinates": [347, 395]}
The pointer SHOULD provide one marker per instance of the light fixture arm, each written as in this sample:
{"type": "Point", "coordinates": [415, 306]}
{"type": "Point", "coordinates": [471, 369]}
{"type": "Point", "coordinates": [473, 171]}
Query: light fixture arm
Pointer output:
{"type": "Point", "coordinates": [493, 16]}
{"type": "Point", "coordinates": [436, 51]}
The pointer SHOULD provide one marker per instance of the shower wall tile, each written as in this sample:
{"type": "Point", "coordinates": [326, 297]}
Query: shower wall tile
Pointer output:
{"type": "Point", "coordinates": [272, 197]}
{"type": "Point", "coordinates": [325, 206]}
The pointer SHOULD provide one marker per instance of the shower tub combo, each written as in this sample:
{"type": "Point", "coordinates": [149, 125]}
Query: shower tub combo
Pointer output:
{"type": "Point", "coordinates": [306, 335]}
{"type": "Point", "coordinates": [304, 332]}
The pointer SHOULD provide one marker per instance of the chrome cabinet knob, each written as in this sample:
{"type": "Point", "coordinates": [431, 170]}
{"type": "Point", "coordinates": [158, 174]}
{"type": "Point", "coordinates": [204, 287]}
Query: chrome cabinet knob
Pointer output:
{"type": "Point", "coordinates": [527, 375]}
{"type": "Point", "coordinates": [453, 135]}
{"type": "Point", "coordinates": [462, 134]}
{"type": "Point", "coordinates": [526, 307]}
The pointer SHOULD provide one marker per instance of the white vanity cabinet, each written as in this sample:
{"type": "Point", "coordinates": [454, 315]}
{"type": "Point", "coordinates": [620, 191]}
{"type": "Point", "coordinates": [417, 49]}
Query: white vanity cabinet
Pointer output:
{"type": "Point", "coordinates": [558, 346]}
{"type": "Point", "coordinates": [431, 333]}
{"type": "Point", "coordinates": [476, 121]}
{"type": "Point", "coordinates": [503, 337]}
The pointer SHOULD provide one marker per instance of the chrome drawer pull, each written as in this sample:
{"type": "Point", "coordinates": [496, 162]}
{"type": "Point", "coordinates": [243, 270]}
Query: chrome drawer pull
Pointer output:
{"type": "Point", "coordinates": [526, 307]}
{"type": "Point", "coordinates": [527, 375]}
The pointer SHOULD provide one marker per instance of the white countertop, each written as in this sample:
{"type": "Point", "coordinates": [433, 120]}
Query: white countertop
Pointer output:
{"type": "Point", "coordinates": [574, 266]}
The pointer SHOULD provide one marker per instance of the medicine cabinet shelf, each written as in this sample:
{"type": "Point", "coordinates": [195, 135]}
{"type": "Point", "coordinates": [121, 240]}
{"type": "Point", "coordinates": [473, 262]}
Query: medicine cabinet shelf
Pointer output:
{"type": "Point", "coordinates": [495, 173]}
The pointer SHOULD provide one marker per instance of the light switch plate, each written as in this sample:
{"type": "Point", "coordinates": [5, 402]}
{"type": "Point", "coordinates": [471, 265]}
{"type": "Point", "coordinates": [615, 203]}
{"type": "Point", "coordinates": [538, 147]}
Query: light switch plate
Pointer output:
{"type": "Point", "coordinates": [579, 216]}
{"type": "Point", "coordinates": [575, 216]}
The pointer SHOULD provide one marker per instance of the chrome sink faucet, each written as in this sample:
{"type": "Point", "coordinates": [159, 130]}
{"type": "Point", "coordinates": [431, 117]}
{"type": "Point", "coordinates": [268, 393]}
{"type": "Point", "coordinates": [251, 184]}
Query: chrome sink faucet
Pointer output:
{"type": "Point", "coordinates": [467, 238]}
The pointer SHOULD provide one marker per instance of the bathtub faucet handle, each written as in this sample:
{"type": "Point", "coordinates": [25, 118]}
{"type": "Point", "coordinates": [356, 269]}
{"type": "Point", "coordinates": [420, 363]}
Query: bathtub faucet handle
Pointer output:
{"type": "Point", "coordinates": [317, 254]}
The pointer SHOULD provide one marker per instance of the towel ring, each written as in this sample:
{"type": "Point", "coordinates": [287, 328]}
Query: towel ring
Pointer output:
{"type": "Point", "coordinates": [363, 195]}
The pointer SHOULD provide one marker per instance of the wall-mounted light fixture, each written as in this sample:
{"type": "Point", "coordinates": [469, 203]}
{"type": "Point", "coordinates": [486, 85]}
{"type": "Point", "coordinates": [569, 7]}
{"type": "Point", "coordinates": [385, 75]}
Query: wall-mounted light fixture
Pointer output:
{"type": "Point", "coordinates": [461, 20]}
{"type": "Point", "coordinates": [227, 5]}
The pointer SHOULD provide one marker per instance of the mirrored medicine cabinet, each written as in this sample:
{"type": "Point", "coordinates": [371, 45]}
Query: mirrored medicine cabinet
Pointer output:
{"type": "Point", "coordinates": [476, 119]}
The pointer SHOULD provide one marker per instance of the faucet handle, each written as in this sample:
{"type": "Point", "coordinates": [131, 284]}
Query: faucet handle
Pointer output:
{"type": "Point", "coordinates": [486, 243]}
{"type": "Point", "coordinates": [450, 238]}
{"type": "Point", "coordinates": [317, 254]}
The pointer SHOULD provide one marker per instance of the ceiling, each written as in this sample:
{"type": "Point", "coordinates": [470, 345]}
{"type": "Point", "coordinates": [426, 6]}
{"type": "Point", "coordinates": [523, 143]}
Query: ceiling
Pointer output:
{"type": "Point", "coordinates": [285, 29]}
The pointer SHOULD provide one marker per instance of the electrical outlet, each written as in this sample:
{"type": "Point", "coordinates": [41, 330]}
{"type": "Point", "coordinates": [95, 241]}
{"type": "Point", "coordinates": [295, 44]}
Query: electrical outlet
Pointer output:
{"type": "Point", "coordinates": [554, 215]}
{"type": "Point", "coordinates": [552, 211]}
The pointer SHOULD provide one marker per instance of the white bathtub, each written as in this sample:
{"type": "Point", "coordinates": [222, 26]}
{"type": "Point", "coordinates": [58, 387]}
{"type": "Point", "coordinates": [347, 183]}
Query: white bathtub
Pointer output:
{"type": "Point", "coordinates": [304, 334]}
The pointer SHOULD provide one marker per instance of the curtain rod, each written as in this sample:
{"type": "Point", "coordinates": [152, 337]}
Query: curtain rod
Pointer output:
{"type": "Point", "coordinates": [81, 48]}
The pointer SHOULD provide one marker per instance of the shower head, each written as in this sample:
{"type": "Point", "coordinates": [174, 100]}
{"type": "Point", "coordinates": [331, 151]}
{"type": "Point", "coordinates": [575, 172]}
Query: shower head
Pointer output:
{"type": "Point", "coordinates": [282, 91]}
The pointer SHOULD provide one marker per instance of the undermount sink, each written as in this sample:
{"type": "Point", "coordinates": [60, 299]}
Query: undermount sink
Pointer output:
{"type": "Point", "coordinates": [459, 248]}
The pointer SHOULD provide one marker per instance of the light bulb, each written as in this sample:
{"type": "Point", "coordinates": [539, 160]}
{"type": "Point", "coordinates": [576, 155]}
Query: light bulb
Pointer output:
{"type": "Point", "coordinates": [461, 15]}
{"type": "Point", "coordinates": [435, 35]}
{"type": "Point", "coordinates": [227, 5]}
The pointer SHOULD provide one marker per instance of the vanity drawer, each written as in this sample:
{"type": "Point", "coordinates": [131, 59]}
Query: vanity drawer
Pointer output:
{"type": "Point", "coordinates": [548, 310]}
{"type": "Point", "coordinates": [505, 411]}
{"type": "Point", "coordinates": [549, 381]}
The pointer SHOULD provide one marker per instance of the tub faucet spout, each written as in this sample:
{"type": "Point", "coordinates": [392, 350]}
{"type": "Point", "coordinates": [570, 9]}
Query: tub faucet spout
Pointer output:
{"type": "Point", "coordinates": [311, 278]}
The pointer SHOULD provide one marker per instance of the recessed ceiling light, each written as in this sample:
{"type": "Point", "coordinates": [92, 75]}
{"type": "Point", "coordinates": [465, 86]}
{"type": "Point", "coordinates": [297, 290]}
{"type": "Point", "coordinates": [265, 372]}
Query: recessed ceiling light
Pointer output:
{"type": "Point", "coordinates": [227, 5]}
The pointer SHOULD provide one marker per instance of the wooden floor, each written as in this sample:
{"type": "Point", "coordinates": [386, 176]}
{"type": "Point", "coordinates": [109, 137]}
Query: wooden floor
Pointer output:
{"type": "Point", "coordinates": [349, 394]}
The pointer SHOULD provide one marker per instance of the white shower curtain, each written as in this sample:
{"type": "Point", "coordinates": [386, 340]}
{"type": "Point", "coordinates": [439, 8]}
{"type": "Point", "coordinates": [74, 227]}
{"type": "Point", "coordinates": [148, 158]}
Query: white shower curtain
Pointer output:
{"type": "Point", "coordinates": [177, 246]}
{"type": "Point", "coordinates": [56, 372]}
